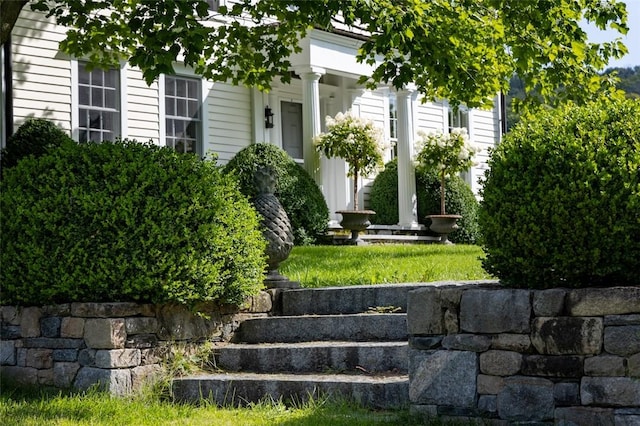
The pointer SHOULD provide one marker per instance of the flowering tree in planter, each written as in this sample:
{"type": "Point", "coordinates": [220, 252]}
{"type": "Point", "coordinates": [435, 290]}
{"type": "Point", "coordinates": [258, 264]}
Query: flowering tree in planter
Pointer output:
{"type": "Point", "coordinates": [447, 153]}
{"type": "Point", "coordinates": [358, 141]}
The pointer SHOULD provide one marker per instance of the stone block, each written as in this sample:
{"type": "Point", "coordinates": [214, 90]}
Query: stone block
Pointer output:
{"type": "Point", "coordinates": [154, 355]}
{"type": "Point", "coordinates": [260, 303]}
{"type": "Point", "coordinates": [549, 303]}
{"type": "Point", "coordinates": [45, 377]}
{"type": "Point", "coordinates": [105, 310]}
{"type": "Point", "coordinates": [105, 333]}
{"type": "Point", "coordinates": [623, 340]}
{"type": "Point", "coordinates": [114, 381]}
{"type": "Point", "coordinates": [141, 325]}
{"type": "Point", "coordinates": [489, 385]}
{"type": "Point", "coordinates": [584, 416]}
{"type": "Point", "coordinates": [19, 375]}
{"type": "Point", "coordinates": [65, 355]}
{"type": "Point", "coordinates": [52, 343]}
{"type": "Point", "coordinates": [633, 319]}
{"type": "Point", "coordinates": [30, 321]}
{"type": "Point", "coordinates": [467, 342]}
{"type": "Point", "coordinates": [10, 332]}
{"type": "Point", "coordinates": [141, 341]}
{"type": "Point", "coordinates": [87, 357]}
{"type": "Point", "coordinates": [50, 326]}
{"type": "Point", "coordinates": [425, 343]}
{"type": "Point", "coordinates": [488, 403]}
{"type": "Point", "coordinates": [511, 342]}
{"type": "Point", "coordinates": [21, 357]}
{"type": "Point", "coordinates": [451, 321]}
{"type": "Point", "coordinates": [589, 302]}
{"type": "Point", "coordinates": [9, 315]}
{"type": "Point", "coordinates": [495, 311]}
{"type": "Point", "coordinates": [59, 310]}
{"type": "Point", "coordinates": [145, 374]}
{"type": "Point", "coordinates": [117, 358]}
{"type": "Point", "coordinates": [604, 365]}
{"type": "Point", "coordinates": [72, 327]}
{"type": "Point", "coordinates": [178, 323]}
{"type": "Point", "coordinates": [633, 363]}
{"type": "Point", "coordinates": [627, 419]}
{"type": "Point", "coordinates": [566, 394]}
{"type": "Point", "coordinates": [425, 311]}
{"type": "Point", "coordinates": [500, 363]}
{"type": "Point", "coordinates": [64, 373]}
{"type": "Point", "coordinates": [443, 378]}
{"type": "Point", "coordinates": [7, 352]}
{"type": "Point", "coordinates": [610, 391]}
{"type": "Point", "coordinates": [567, 335]}
{"type": "Point", "coordinates": [39, 358]}
{"type": "Point", "coordinates": [526, 399]}
{"type": "Point", "coordinates": [562, 366]}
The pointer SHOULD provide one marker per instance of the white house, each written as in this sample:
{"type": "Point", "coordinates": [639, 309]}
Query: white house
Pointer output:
{"type": "Point", "coordinates": [192, 114]}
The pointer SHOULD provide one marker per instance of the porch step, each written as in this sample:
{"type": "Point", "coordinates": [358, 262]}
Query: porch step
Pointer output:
{"type": "Point", "coordinates": [318, 357]}
{"type": "Point", "coordinates": [292, 329]}
{"type": "Point", "coordinates": [375, 391]}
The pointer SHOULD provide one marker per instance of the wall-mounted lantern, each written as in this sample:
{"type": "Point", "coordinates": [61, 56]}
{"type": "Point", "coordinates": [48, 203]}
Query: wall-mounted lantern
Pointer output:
{"type": "Point", "coordinates": [268, 118]}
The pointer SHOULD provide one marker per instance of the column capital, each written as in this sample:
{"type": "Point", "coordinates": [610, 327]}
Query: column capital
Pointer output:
{"type": "Point", "coordinates": [407, 90]}
{"type": "Point", "coordinates": [310, 73]}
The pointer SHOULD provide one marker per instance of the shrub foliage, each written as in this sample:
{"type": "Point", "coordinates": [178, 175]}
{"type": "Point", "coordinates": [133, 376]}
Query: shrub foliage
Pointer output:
{"type": "Point", "coordinates": [36, 137]}
{"type": "Point", "coordinates": [126, 221]}
{"type": "Point", "coordinates": [458, 197]}
{"type": "Point", "coordinates": [298, 193]}
{"type": "Point", "coordinates": [562, 199]}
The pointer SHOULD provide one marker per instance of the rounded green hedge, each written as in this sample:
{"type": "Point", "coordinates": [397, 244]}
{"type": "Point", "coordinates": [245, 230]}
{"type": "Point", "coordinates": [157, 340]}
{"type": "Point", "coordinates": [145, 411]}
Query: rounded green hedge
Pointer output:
{"type": "Point", "coordinates": [459, 199]}
{"type": "Point", "coordinates": [561, 201]}
{"type": "Point", "coordinates": [36, 137]}
{"type": "Point", "coordinates": [298, 193]}
{"type": "Point", "coordinates": [126, 221]}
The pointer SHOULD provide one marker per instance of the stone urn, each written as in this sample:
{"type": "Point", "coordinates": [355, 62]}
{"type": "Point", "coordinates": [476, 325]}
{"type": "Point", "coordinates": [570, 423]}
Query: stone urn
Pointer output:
{"type": "Point", "coordinates": [276, 228]}
{"type": "Point", "coordinates": [355, 221]}
{"type": "Point", "coordinates": [444, 224]}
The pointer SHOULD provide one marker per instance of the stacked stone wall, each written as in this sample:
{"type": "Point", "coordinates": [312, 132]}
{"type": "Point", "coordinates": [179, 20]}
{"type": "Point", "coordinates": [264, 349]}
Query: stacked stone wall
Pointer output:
{"type": "Point", "coordinates": [116, 346]}
{"type": "Point", "coordinates": [560, 356]}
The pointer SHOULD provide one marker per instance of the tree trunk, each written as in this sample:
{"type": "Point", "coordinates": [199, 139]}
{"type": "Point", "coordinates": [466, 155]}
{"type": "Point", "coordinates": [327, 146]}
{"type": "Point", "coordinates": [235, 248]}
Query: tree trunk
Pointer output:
{"type": "Point", "coordinates": [442, 209]}
{"type": "Point", "coordinates": [9, 12]}
{"type": "Point", "coordinates": [355, 189]}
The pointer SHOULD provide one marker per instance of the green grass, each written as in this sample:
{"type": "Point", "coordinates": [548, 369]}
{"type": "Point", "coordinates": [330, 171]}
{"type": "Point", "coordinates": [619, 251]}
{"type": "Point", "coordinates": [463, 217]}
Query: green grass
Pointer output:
{"type": "Point", "coordinates": [95, 409]}
{"type": "Point", "coordinates": [326, 266]}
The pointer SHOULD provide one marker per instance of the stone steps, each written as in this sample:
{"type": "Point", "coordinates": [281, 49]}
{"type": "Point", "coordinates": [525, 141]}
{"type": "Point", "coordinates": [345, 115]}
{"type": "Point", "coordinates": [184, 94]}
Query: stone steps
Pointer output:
{"type": "Point", "coordinates": [339, 350]}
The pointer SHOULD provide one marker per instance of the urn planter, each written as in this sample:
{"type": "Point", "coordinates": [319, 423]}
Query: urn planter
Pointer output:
{"type": "Point", "coordinates": [444, 224]}
{"type": "Point", "coordinates": [356, 221]}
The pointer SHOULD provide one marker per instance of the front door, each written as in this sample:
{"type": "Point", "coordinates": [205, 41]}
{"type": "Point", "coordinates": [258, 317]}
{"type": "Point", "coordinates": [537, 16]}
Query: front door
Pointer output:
{"type": "Point", "coordinates": [291, 113]}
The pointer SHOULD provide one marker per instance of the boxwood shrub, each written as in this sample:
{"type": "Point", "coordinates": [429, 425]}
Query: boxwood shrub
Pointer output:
{"type": "Point", "coordinates": [562, 198]}
{"type": "Point", "coordinates": [36, 137]}
{"type": "Point", "coordinates": [126, 221]}
{"type": "Point", "coordinates": [298, 193]}
{"type": "Point", "coordinates": [458, 197]}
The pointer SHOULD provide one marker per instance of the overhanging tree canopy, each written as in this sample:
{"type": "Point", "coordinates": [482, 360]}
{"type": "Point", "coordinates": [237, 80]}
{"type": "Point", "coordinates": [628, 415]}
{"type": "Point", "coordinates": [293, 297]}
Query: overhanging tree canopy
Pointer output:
{"type": "Point", "coordinates": [461, 50]}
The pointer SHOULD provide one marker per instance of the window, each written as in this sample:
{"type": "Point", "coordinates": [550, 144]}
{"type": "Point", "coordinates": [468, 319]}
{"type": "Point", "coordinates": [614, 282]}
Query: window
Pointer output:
{"type": "Point", "coordinates": [214, 5]}
{"type": "Point", "coordinates": [458, 118]}
{"type": "Point", "coordinates": [182, 112]}
{"type": "Point", "coordinates": [393, 123]}
{"type": "Point", "coordinates": [98, 104]}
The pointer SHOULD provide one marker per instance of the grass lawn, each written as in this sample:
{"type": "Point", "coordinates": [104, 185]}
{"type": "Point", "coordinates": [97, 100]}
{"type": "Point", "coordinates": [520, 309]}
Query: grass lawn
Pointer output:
{"type": "Point", "coordinates": [325, 266]}
{"type": "Point", "coordinates": [96, 409]}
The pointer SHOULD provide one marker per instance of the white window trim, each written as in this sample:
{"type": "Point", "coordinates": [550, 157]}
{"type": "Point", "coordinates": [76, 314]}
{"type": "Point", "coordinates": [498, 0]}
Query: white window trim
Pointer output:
{"type": "Point", "coordinates": [203, 144]}
{"type": "Point", "coordinates": [75, 103]}
{"type": "Point", "coordinates": [277, 112]}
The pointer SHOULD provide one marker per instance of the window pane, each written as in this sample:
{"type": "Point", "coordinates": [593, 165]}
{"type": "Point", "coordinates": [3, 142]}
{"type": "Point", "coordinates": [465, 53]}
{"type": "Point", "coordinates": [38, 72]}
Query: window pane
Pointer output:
{"type": "Point", "coordinates": [181, 106]}
{"type": "Point", "coordinates": [96, 97]}
{"type": "Point", "coordinates": [110, 99]}
{"type": "Point", "coordinates": [178, 128]}
{"type": "Point", "coordinates": [169, 127]}
{"type": "Point", "coordinates": [170, 86]}
{"type": "Point", "coordinates": [191, 129]}
{"type": "Point", "coordinates": [83, 75]}
{"type": "Point", "coordinates": [179, 146]}
{"type": "Point", "coordinates": [83, 94]}
{"type": "Point", "coordinates": [193, 109]}
{"type": "Point", "coordinates": [170, 106]}
{"type": "Point", "coordinates": [107, 121]}
{"type": "Point", "coordinates": [82, 118]}
{"type": "Point", "coordinates": [94, 120]}
{"type": "Point", "coordinates": [95, 137]}
{"type": "Point", "coordinates": [190, 146]}
{"type": "Point", "coordinates": [82, 136]}
{"type": "Point", "coordinates": [97, 77]}
{"type": "Point", "coordinates": [181, 88]}
{"type": "Point", "coordinates": [193, 89]}
{"type": "Point", "coordinates": [111, 79]}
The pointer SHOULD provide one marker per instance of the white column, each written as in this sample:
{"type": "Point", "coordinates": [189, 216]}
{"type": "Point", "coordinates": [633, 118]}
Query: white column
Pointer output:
{"type": "Point", "coordinates": [311, 119]}
{"type": "Point", "coordinates": [407, 198]}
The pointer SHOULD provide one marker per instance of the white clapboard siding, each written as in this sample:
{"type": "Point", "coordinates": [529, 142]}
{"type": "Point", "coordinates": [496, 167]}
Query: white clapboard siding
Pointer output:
{"type": "Point", "coordinates": [485, 135]}
{"type": "Point", "coordinates": [430, 116]}
{"type": "Point", "coordinates": [143, 110]}
{"type": "Point", "coordinates": [229, 120]}
{"type": "Point", "coordinates": [42, 76]}
{"type": "Point", "coordinates": [372, 105]}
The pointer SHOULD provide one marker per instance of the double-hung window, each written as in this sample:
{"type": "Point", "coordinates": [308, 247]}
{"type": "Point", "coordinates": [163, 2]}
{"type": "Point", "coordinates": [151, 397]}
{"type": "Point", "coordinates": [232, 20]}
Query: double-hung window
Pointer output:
{"type": "Point", "coordinates": [458, 118]}
{"type": "Point", "coordinates": [98, 104]}
{"type": "Point", "coordinates": [182, 113]}
{"type": "Point", "coordinates": [393, 123]}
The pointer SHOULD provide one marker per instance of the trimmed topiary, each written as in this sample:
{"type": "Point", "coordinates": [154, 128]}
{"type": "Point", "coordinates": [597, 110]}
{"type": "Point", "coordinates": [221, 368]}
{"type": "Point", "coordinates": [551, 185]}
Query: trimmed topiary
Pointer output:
{"type": "Point", "coordinates": [562, 199]}
{"type": "Point", "coordinates": [298, 193]}
{"type": "Point", "coordinates": [458, 196]}
{"type": "Point", "coordinates": [126, 221]}
{"type": "Point", "coordinates": [36, 137]}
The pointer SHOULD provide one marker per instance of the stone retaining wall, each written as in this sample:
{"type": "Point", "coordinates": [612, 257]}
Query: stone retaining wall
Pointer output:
{"type": "Point", "coordinates": [542, 356]}
{"type": "Point", "coordinates": [117, 345]}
